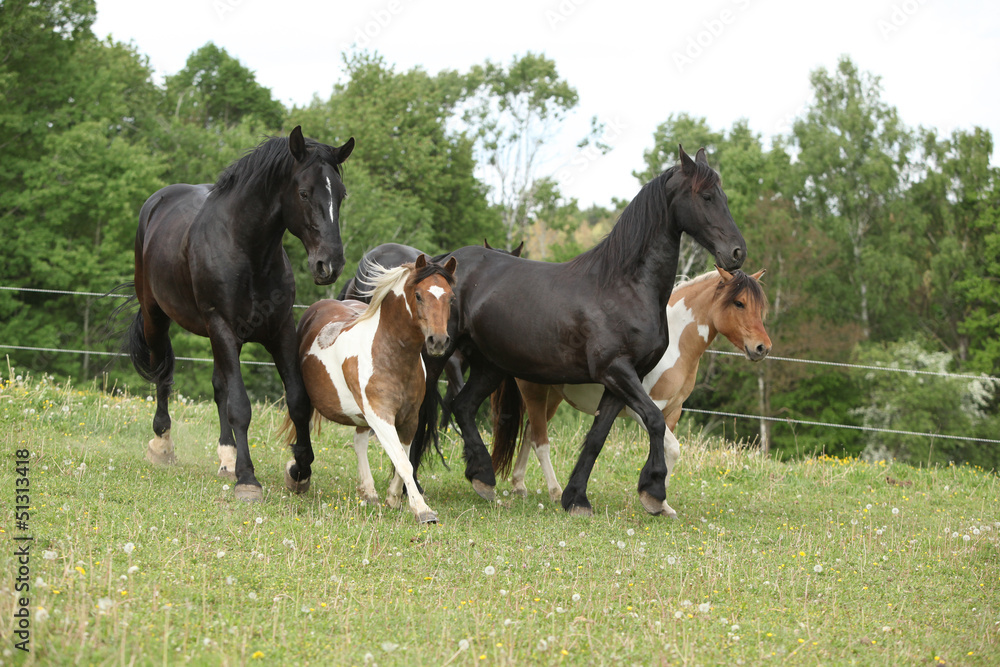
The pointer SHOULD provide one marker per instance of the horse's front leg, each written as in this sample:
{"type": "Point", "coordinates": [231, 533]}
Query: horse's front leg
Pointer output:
{"type": "Point", "coordinates": [227, 443]}
{"type": "Point", "coordinates": [284, 349]}
{"type": "Point", "coordinates": [574, 496]}
{"type": "Point", "coordinates": [366, 483]}
{"type": "Point", "coordinates": [399, 455]}
{"type": "Point", "coordinates": [226, 352]}
{"type": "Point", "coordinates": [484, 378]}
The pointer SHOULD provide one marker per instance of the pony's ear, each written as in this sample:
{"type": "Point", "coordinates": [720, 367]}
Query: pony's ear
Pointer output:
{"type": "Point", "coordinates": [297, 144]}
{"type": "Point", "coordinates": [757, 276]}
{"type": "Point", "coordinates": [486, 244]}
{"type": "Point", "coordinates": [421, 262]}
{"type": "Point", "coordinates": [726, 276]}
{"type": "Point", "coordinates": [700, 157]}
{"type": "Point", "coordinates": [451, 265]}
{"type": "Point", "coordinates": [687, 164]}
{"type": "Point", "coordinates": [516, 252]}
{"type": "Point", "coordinates": [345, 151]}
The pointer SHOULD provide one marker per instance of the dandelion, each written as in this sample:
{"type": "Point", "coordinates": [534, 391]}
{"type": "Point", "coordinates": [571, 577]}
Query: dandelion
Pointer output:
{"type": "Point", "coordinates": [542, 645]}
{"type": "Point", "coordinates": [489, 571]}
{"type": "Point", "coordinates": [671, 560]}
{"type": "Point", "coordinates": [975, 531]}
{"type": "Point", "coordinates": [630, 532]}
{"type": "Point", "coordinates": [621, 545]}
{"type": "Point", "coordinates": [257, 655]}
{"type": "Point", "coordinates": [128, 548]}
{"type": "Point", "coordinates": [817, 568]}
{"type": "Point", "coordinates": [966, 538]}
{"type": "Point", "coordinates": [104, 604]}
{"type": "Point", "coordinates": [541, 506]}
{"type": "Point", "coordinates": [258, 520]}
{"type": "Point", "coordinates": [230, 580]}
{"type": "Point", "coordinates": [463, 644]}
{"type": "Point", "coordinates": [206, 642]}
{"type": "Point", "coordinates": [133, 569]}
{"type": "Point", "coordinates": [954, 535]}
{"type": "Point", "coordinates": [288, 543]}
{"type": "Point", "coordinates": [576, 597]}
{"type": "Point", "coordinates": [364, 561]}
{"type": "Point", "coordinates": [895, 510]}
{"type": "Point", "coordinates": [503, 592]}
{"type": "Point", "coordinates": [220, 553]}
{"type": "Point", "coordinates": [225, 487]}
{"type": "Point", "coordinates": [678, 614]}
{"type": "Point", "coordinates": [252, 595]}
{"type": "Point", "coordinates": [704, 607]}
{"type": "Point", "coordinates": [563, 544]}
{"type": "Point", "coordinates": [41, 615]}
{"type": "Point", "coordinates": [49, 555]}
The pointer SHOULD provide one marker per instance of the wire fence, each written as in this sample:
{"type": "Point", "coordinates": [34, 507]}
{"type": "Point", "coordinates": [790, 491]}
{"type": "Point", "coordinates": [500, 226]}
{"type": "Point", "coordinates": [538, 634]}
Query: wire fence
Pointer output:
{"type": "Point", "coordinates": [760, 418]}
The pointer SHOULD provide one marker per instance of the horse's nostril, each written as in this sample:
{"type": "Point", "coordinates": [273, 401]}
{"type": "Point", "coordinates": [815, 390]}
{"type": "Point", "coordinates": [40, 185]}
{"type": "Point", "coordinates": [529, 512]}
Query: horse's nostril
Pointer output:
{"type": "Point", "coordinates": [737, 253]}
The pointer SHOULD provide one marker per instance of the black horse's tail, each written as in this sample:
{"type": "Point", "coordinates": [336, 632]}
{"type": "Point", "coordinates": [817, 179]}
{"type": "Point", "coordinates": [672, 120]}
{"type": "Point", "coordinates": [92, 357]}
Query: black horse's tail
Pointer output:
{"type": "Point", "coordinates": [134, 344]}
{"type": "Point", "coordinates": [507, 408]}
{"type": "Point", "coordinates": [427, 425]}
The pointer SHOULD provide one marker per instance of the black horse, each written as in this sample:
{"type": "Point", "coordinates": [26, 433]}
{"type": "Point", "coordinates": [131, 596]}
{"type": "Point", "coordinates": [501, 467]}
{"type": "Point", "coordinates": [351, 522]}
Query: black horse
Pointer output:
{"type": "Point", "coordinates": [598, 318]}
{"type": "Point", "coordinates": [391, 255]}
{"type": "Point", "coordinates": [209, 257]}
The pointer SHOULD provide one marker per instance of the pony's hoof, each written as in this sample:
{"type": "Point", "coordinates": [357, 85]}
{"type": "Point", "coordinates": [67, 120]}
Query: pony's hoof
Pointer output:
{"type": "Point", "coordinates": [394, 501]}
{"type": "Point", "coordinates": [520, 491]}
{"type": "Point", "coordinates": [427, 516]}
{"type": "Point", "coordinates": [579, 510]}
{"type": "Point", "coordinates": [160, 450]}
{"type": "Point", "coordinates": [227, 462]}
{"type": "Point", "coordinates": [668, 511]}
{"type": "Point", "coordinates": [250, 493]}
{"type": "Point", "coordinates": [651, 504]}
{"type": "Point", "coordinates": [226, 473]}
{"type": "Point", "coordinates": [485, 491]}
{"type": "Point", "coordinates": [293, 485]}
{"type": "Point", "coordinates": [370, 501]}
{"type": "Point", "coordinates": [555, 494]}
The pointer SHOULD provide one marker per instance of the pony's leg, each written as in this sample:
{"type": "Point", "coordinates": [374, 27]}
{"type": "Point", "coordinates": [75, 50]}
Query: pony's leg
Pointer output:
{"type": "Point", "coordinates": [574, 497]}
{"type": "Point", "coordinates": [284, 351]}
{"type": "Point", "coordinates": [672, 453]}
{"type": "Point", "coordinates": [366, 483]}
{"type": "Point", "coordinates": [484, 378]}
{"type": "Point", "coordinates": [394, 496]}
{"type": "Point", "coordinates": [540, 404]}
{"type": "Point", "coordinates": [226, 352]}
{"type": "Point", "coordinates": [227, 442]}
{"type": "Point", "coordinates": [156, 326]}
{"type": "Point", "coordinates": [398, 454]}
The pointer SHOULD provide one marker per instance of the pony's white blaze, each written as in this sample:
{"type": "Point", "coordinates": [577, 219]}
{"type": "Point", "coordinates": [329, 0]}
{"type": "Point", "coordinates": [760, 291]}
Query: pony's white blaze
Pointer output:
{"type": "Point", "coordinates": [436, 290]}
{"type": "Point", "coordinates": [329, 191]}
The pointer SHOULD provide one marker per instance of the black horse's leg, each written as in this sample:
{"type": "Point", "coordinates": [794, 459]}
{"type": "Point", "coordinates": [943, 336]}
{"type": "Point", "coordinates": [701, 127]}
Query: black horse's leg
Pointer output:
{"type": "Point", "coordinates": [623, 380]}
{"type": "Point", "coordinates": [484, 378]}
{"type": "Point", "coordinates": [284, 351]}
{"type": "Point", "coordinates": [226, 351]}
{"type": "Point", "coordinates": [227, 442]}
{"type": "Point", "coordinates": [156, 330]}
{"type": "Point", "coordinates": [453, 373]}
{"type": "Point", "coordinates": [574, 497]}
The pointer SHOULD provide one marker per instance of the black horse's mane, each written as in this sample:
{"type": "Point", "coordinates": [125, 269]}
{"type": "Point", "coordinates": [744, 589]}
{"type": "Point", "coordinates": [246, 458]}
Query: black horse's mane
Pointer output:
{"type": "Point", "coordinates": [621, 251]}
{"type": "Point", "coordinates": [270, 163]}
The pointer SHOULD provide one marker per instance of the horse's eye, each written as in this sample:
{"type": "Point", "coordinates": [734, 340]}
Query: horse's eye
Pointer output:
{"type": "Point", "coordinates": [418, 296]}
{"type": "Point", "coordinates": [739, 304]}
{"type": "Point", "coordinates": [303, 195]}
{"type": "Point", "coordinates": [707, 196]}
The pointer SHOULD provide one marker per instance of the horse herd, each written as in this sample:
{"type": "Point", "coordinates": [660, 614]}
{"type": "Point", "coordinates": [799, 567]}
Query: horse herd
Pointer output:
{"type": "Point", "coordinates": [607, 332]}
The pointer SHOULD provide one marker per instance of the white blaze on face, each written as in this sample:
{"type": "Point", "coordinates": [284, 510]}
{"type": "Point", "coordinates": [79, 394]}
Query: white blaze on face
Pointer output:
{"type": "Point", "coordinates": [329, 191]}
{"type": "Point", "coordinates": [436, 290]}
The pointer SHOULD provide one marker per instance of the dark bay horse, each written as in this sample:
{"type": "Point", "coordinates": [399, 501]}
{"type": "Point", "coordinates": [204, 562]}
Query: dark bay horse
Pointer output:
{"type": "Point", "coordinates": [362, 367]}
{"type": "Point", "coordinates": [600, 317]}
{"type": "Point", "coordinates": [209, 257]}
{"type": "Point", "coordinates": [389, 255]}
{"type": "Point", "coordinates": [717, 302]}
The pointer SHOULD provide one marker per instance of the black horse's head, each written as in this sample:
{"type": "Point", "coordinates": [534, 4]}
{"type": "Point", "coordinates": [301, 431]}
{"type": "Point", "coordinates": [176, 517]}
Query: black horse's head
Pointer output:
{"type": "Point", "coordinates": [702, 209]}
{"type": "Point", "coordinates": [311, 203]}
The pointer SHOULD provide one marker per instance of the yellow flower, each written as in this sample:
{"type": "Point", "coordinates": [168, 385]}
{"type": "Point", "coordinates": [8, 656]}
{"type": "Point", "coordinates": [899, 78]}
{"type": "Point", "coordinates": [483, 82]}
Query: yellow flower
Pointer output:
{"type": "Point", "coordinates": [257, 654]}
{"type": "Point", "coordinates": [80, 570]}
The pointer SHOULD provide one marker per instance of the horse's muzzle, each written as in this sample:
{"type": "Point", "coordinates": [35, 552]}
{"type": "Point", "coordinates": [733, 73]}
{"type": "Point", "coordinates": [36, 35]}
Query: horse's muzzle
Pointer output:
{"type": "Point", "coordinates": [758, 352]}
{"type": "Point", "coordinates": [437, 345]}
{"type": "Point", "coordinates": [325, 273]}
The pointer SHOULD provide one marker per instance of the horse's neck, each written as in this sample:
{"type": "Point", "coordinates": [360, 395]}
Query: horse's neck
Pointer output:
{"type": "Point", "coordinates": [258, 224]}
{"type": "Point", "coordinates": [698, 298]}
{"type": "Point", "coordinates": [395, 315]}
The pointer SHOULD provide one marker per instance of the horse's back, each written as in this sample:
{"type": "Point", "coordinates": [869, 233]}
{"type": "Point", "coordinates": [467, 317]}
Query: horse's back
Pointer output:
{"type": "Point", "coordinates": [323, 313]}
{"type": "Point", "coordinates": [334, 390]}
{"type": "Point", "coordinates": [172, 206]}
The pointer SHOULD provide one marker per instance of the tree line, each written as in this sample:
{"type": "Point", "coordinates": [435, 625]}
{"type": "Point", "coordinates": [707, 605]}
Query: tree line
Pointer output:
{"type": "Point", "coordinates": [881, 241]}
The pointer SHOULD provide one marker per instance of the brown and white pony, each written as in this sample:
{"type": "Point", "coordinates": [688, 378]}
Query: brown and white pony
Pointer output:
{"type": "Point", "coordinates": [733, 304]}
{"type": "Point", "coordinates": [362, 367]}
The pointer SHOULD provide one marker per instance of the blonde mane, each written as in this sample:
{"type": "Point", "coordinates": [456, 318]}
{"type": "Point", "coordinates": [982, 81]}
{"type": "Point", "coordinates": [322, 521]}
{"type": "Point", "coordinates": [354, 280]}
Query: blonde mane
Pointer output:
{"type": "Point", "coordinates": [697, 279]}
{"type": "Point", "coordinates": [381, 282]}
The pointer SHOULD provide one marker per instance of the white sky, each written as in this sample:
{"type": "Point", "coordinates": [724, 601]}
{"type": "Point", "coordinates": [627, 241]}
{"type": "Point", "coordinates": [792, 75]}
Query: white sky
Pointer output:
{"type": "Point", "coordinates": [939, 61]}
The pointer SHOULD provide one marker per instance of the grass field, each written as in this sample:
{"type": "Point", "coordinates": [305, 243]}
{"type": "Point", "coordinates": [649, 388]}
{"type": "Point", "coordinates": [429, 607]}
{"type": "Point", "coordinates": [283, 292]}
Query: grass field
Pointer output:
{"type": "Point", "coordinates": [823, 561]}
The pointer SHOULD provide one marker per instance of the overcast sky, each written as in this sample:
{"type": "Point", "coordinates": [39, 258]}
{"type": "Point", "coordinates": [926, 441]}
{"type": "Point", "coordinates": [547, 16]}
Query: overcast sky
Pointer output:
{"type": "Point", "coordinates": [633, 63]}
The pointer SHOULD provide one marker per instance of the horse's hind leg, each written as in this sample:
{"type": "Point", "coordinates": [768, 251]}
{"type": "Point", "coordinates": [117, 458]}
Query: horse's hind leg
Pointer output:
{"type": "Point", "coordinates": [160, 449]}
{"type": "Point", "coordinates": [484, 378]}
{"type": "Point", "coordinates": [284, 351]}
{"type": "Point", "coordinates": [366, 483]}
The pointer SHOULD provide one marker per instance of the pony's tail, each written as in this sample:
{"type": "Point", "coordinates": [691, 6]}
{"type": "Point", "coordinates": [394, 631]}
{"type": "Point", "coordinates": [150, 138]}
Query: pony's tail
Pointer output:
{"type": "Point", "coordinates": [507, 408]}
{"type": "Point", "coordinates": [427, 425]}
{"type": "Point", "coordinates": [287, 433]}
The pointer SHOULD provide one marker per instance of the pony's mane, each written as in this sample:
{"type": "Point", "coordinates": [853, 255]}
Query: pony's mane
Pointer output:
{"type": "Point", "coordinates": [621, 251]}
{"type": "Point", "coordinates": [268, 163]}
{"type": "Point", "coordinates": [382, 281]}
{"type": "Point", "coordinates": [728, 291]}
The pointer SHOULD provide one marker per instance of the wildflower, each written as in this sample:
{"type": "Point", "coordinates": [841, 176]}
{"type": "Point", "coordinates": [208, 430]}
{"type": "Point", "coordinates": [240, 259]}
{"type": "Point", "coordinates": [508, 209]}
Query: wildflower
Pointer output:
{"type": "Point", "coordinates": [252, 595]}
{"type": "Point", "coordinates": [104, 604]}
{"type": "Point", "coordinates": [133, 569]}
{"type": "Point", "coordinates": [258, 520]}
{"type": "Point", "coordinates": [490, 571]}
{"type": "Point", "coordinates": [220, 553]}
{"type": "Point", "coordinates": [41, 615]}
{"type": "Point", "coordinates": [678, 614]}
{"type": "Point", "coordinates": [704, 607]}
{"type": "Point", "coordinates": [257, 655]}
{"type": "Point", "coordinates": [230, 580]}
{"type": "Point", "coordinates": [542, 645]}
{"type": "Point", "coordinates": [966, 538]}
{"type": "Point", "coordinates": [671, 560]}
{"type": "Point", "coordinates": [128, 548]}
{"type": "Point", "coordinates": [463, 644]}
{"type": "Point", "coordinates": [895, 510]}
{"type": "Point", "coordinates": [563, 544]}
{"type": "Point", "coordinates": [576, 597]}
{"type": "Point", "coordinates": [621, 545]}
{"type": "Point", "coordinates": [817, 568]}
{"type": "Point", "coordinates": [630, 532]}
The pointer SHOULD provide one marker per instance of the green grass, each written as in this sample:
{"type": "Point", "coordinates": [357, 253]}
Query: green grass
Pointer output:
{"type": "Point", "coordinates": [819, 561]}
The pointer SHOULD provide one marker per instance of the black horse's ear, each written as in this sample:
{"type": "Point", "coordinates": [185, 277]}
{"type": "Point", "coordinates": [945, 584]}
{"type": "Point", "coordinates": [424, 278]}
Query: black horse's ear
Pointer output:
{"type": "Point", "coordinates": [687, 164]}
{"type": "Point", "coordinates": [421, 262]}
{"type": "Point", "coordinates": [297, 144]}
{"type": "Point", "coordinates": [516, 252]}
{"type": "Point", "coordinates": [700, 157]}
{"type": "Point", "coordinates": [486, 244]}
{"type": "Point", "coordinates": [451, 265]}
{"type": "Point", "coordinates": [345, 151]}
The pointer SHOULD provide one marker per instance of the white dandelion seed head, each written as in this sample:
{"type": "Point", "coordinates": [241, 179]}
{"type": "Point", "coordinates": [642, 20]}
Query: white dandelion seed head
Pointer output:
{"type": "Point", "coordinates": [364, 561]}
{"type": "Point", "coordinates": [49, 555]}
{"type": "Point", "coordinates": [621, 545]}
{"type": "Point", "coordinates": [463, 644]}
{"type": "Point", "coordinates": [966, 538]}
{"type": "Point", "coordinates": [503, 592]}
{"type": "Point", "coordinates": [704, 607]}
{"type": "Point", "coordinates": [225, 487]}
{"type": "Point", "coordinates": [104, 604]}
{"type": "Point", "coordinates": [895, 510]}
{"type": "Point", "coordinates": [562, 543]}
{"type": "Point", "coordinates": [678, 614]}
{"type": "Point", "coordinates": [259, 520]}
{"type": "Point", "coordinates": [41, 615]}
{"type": "Point", "coordinates": [220, 553]}
{"type": "Point", "coordinates": [489, 570]}
{"type": "Point", "coordinates": [671, 560]}
{"type": "Point", "coordinates": [252, 595]}
{"type": "Point", "coordinates": [542, 645]}
{"type": "Point", "coordinates": [817, 568]}
{"type": "Point", "coordinates": [576, 597]}
{"type": "Point", "coordinates": [230, 580]}
{"type": "Point", "coordinates": [630, 532]}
